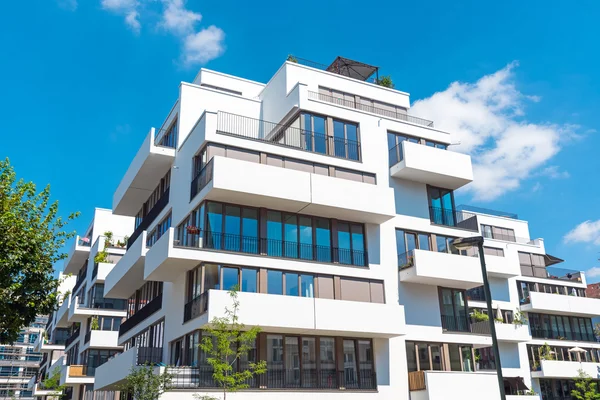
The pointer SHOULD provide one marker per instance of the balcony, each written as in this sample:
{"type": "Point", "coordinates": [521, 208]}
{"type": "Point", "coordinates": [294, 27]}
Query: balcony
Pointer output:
{"type": "Point", "coordinates": [502, 267]}
{"type": "Point", "coordinates": [150, 217]}
{"type": "Point", "coordinates": [453, 218]}
{"type": "Point", "coordinates": [62, 315]}
{"type": "Point", "coordinates": [261, 185]}
{"type": "Point", "coordinates": [432, 166]}
{"type": "Point", "coordinates": [71, 375]}
{"type": "Point", "coordinates": [112, 373]}
{"type": "Point", "coordinates": [78, 254]}
{"type": "Point", "coordinates": [80, 313]}
{"type": "Point", "coordinates": [565, 369]}
{"type": "Point", "coordinates": [38, 390]}
{"type": "Point", "coordinates": [559, 304]}
{"type": "Point", "coordinates": [141, 315]}
{"type": "Point", "coordinates": [169, 257]}
{"type": "Point", "coordinates": [512, 333]}
{"type": "Point", "coordinates": [444, 385]}
{"type": "Point", "coordinates": [149, 165]}
{"type": "Point", "coordinates": [101, 340]}
{"type": "Point", "coordinates": [43, 346]}
{"type": "Point", "coordinates": [128, 273]}
{"type": "Point", "coordinates": [101, 271]}
{"type": "Point", "coordinates": [440, 269]}
{"type": "Point", "coordinates": [276, 313]}
{"type": "Point", "coordinates": [74, 336]}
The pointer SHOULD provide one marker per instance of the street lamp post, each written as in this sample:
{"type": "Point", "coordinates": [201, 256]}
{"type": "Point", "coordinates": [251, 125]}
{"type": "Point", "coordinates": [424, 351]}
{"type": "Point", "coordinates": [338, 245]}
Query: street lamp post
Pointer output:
{"type": "Point", "coordinates": [477, 241]}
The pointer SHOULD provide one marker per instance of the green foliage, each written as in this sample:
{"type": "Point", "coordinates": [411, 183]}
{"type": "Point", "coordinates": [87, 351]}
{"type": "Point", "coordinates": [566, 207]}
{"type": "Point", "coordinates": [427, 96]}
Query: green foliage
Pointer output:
{"type": "Point", "coordinates": [31, 235]}
{"type": "Point", "coordinates": [479, 316]}
{"type": "Point", "coordinates": [143, 384]}
{"type": "Point", "coordinates": [53, 383]}
{"type": "Point", "coordinates": [108, 239]}
{"type": "Point", "coordinates": [499, 320]}
{"type": "Point", "coordinates": [94, 325]}
{"type": "Point", "coordinates": [546, 352]}
{"type": "Point", "coordinates": [585, 387]}
{"type": "Point", "coordinates": [102, 257]}
{"type": "Point", "coordinates": [519, 318]}
{"type": "Point", "coordinates": [385, 81]}
{"type": "Point", "coordinates": [597, 329]}
{"type": "Point", "coordinates": [291, 58]}
{"type": "Point", "coordinates": [227, 341]}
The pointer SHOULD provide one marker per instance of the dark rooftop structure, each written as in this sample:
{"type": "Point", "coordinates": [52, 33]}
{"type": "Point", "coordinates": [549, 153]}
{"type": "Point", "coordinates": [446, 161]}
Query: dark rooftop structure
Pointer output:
{"type": "Point", "coordinates": [343, 66]}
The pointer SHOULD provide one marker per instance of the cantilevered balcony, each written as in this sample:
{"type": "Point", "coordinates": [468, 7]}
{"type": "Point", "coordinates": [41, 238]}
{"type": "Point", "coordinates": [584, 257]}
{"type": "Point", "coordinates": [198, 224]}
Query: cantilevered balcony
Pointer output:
{"type": "Point", "coordinates": [440, 269]}
{"type": "Point", "coordinates": [113, 372]}
{"type": "Point", "coordinates": [71, 375]}
{"type": "Point", "coordinates": [79, 252]}
{"type": "Point", "coordinates": [565, 369]}
{"type": "Point", "coordinates": [560, 304]}
{"type": "Point", "coordinates": [149, 165]}
{"type": "Point", "coordinates": [128, 273]}
{"type": "Point", "coordinates": [110, 308]}
{"type": "Point", "coordinates": [445, 385]}
{"type": "Point", "coordinates": [262, 185]}
{"type": "Point", "coordinates": [430, 165]}
{"type": "Point", "coordinates": [275, 313]}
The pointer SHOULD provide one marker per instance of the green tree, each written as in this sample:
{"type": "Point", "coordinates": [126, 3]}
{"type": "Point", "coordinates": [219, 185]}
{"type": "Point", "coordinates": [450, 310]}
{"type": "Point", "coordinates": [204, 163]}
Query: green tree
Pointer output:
{"type": "Point", "coordinates": [585, 387]}
{"type": "Point", "coordinates": [143, 383]}
{"type": "Point", "coordinates": [227, 341]}
{"type": "Point", "coordinates": [53, 383]}
{"type": "Point", "coordinates": [31, 236]}
{"type": "Point", "coordinates": [385, 81]}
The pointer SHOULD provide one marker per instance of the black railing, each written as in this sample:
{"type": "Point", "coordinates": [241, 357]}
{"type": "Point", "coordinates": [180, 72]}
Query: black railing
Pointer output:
{"type": "Point", "coordinates": [153, 306]}
{"type": "Point", "coordinates": [486, 365]}
{"type": "Point", "coordinates": [78, 283]}
{"type": "Point", "coordinates": [309, 379]}
{"type": "Point", "coordinates": [403, 116]}
{"type": "Point", "coordinates": [95, 270]}
{"type": "Point", "coordinates": [396, 154]}
{"type": "Point", "coordinates": [166, 137]}
{"type": "Point", "coordinates": [537, 333]}
{"type": "Point", "coordinates": [273, 248]}
{"type": "Point", "coordinates": [453, 218]}
{"type": "Point", "coordinates": [108, 304]}
{"type": "Point", "coordinates": [406, 260]}
{"type": "Point", "coordinates": [476, 294]}
{"type": "Point", "coordinates": [196, 307]}
{"type": "Point", "coordinates": [289, 136]}
{"type": "Point", "coordinates": [87, 337]}
{"type": "Point", "coordinates": [201, 179]}
{"type": "Point", "coordinates": [455, 323]}
{"type": "Point", "coordinates": [149, 355]}
{"type": "Point", "coordinates": [72, 338]}
{"type": "Point", "coordinates": [151, 216]}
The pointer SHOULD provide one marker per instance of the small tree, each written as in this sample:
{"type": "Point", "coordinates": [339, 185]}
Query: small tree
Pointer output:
{"type": "Point", "coordinates": [94, 325]}
{"type": "Point", "coordinates": [143, 384]}
{"type": "Point", "coordinates": [585, 387]}
{"type": "Point", "coordinates": [228, 340]}
{"type": "Point", "coordinates": [385, 81]}
{"type": "Point", "coordinates": [53, 383]}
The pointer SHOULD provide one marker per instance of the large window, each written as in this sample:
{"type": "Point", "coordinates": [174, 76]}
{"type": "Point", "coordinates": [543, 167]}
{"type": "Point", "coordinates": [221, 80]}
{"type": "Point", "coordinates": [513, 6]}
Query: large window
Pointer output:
{"type": "Point", "coordinates": [525, 288]}
{"type": "Point", "coordinates": [422, 356]}
{"type": "Point", "coordinates": [144, 295]}
{"type": "Point", "coordinates": [532, 265]}
{"type": "Point", "coordinates": [151, 337]}
{"type": "Point", "coordinates": [314, 132]}
{"type": "Point", "coordinates": [231, 228]}
{"type": "Point", "coordinates": [495, 232]}
{"type": "Point", "coordinates": [105, 323]}
{"type": "Point", "coordinates": [395, 145]}
{"type": "Point", "coordinates": [345, 140]}
{"type": "Point", "coordinates": [96, 299]}
{"type": "Point", "coordinates": [454, 312]}
{"type": "Point", "coordinates": [546, 326]}
{"type": "Point", "coordinates": [156, 195]}
{"type": "Point", "coordinates": [93, 358]}
{"type": "Point", "coordinates": [161, 228]}
{"type": "Point", "coordinates": [441, 206]}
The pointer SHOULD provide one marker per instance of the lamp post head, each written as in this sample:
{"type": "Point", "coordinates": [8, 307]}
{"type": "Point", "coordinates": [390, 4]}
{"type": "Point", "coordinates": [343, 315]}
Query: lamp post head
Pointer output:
{"type": "Point", "coordinates": [468, 242]}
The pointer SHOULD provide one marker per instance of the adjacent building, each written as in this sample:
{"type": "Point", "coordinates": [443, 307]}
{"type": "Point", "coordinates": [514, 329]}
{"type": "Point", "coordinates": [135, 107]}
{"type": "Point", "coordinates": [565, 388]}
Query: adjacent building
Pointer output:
{"type": "Point", "coordinates": [19, 362]}
{"type": "Point", "coordinates": [333, 210]}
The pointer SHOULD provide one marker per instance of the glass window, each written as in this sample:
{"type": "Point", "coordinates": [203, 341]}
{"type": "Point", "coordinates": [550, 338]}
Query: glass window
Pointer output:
{"type": "Point", "coordinates": [323, 240]}
{"type": "Point", "coordinates": [214, 225]}
{"type": "Point", "coordinates": [292, 362]}
{"type": "Point", "coordinates": [274, 233]}
{"type": "Point", "coordinates": [249, 280]}
{"type": "Point", "coordinates": [305, 234]}
{"type": "Point", "coordinates": [350, 371]}
{"type": "Point", "coordinates": [320, 135]}
{"type": "Point", "coordinates": [423, 352]}
{"type": "Point", "coordinates": [454, 351]}
{"type": "Point", "coordinates": [250, 230]}
{"type": "Point", "coordinates": [230, 278]}
{"type": "Point", "coordinates": [436, 357]}
{"type": "Point", "coordinates": [309, 362]}
{"type": "Point", "coordinates": [274, 353]}
{"type": "Point", "coordinates": [291, 284]}
{"type": "Point", "coordinates": [424, 241]}
{"type": "Point", "coordinates": [291, 236]}
{"type": "Point", "coordinates": [274, 282]}
{"type": "Point", "coordinates": [211, 277]}
{"type": "Point", "coordinates": [327, 361]}
{"type": "Point", "coordinates": [307, 286]}
{"type": "Point", "coordinates": [411, 356]}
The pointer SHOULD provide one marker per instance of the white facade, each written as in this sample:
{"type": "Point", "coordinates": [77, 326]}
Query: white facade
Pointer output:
{"type": "Point", "coordinates": [342, 253]}
{"type": "Point", "coordinates": [83, 331]}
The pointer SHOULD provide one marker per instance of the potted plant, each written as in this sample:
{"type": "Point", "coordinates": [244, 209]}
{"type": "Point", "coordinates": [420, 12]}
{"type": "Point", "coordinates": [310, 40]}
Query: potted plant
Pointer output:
{"type": "Point", "coordinates": [108, 239]}
{"type": "Point", "coordinates": [94, 325]}
{"type": "Point", "coordinates": [102, 257]}
{"type": "Point", "coordinates": [385, 81]}
{"type": "Point", "coordinates": [120, 244]}
{"type": "Point", "coordinates": [291, 58]}
{"type": "Point", "coordinates": [478, 316]}
{"type": "Point", "coordinates": [192, 230]}
{"type": "Point", "coordinates": [535, 366]}
{"type": "Point", "coordinates": [477, 359]}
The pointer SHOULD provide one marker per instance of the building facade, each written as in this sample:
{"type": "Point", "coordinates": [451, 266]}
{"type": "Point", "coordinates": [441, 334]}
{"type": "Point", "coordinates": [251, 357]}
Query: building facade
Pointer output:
{"type": "Point", "coordinates": [332, 210]}
{"type": "Point", "coordinates": [82, 333]}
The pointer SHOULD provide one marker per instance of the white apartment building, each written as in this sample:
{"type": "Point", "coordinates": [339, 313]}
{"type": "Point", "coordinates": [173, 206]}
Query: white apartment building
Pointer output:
{"type": "Point", "coordinates": [83, 332]}
{"type": "Point", "coordinates": [333, 210]}
{"type": "Point", "coordinates": [19, 362]}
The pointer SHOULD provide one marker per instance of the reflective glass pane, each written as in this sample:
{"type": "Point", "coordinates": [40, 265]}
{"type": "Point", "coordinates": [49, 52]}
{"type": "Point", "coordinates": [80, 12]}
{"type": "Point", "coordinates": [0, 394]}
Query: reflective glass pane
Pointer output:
{"type": "Point", "coordinates": [249, 280]}
{"type": "Point", "coordinates": [323, 240]}
{"type": "Point", "coordinates": [306, 239]}
{"type": "Point", "coordinates": [290, 247]}
{"type": "Point", "coordinates": [307, 286]}
{"type": "Point", "coordinates": [250, 230]}
{"type": "Point", "coordinates": [319, 133]}
{"type": "Point", "coordinates": [274, 234]}
{"type": "Point", "coordinates": [274, 282]}
{"type": "Point", "coordinates": [230, 278]}
{"type": "Point", "coordinates": [291, 284]}
{"type": "Point", "coordinates": [231, 239]}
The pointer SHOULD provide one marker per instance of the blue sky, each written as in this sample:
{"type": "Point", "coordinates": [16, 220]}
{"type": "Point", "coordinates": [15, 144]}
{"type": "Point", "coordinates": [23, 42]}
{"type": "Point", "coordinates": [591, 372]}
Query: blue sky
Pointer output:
{"type": "Point", "coordinates": [84, 80]}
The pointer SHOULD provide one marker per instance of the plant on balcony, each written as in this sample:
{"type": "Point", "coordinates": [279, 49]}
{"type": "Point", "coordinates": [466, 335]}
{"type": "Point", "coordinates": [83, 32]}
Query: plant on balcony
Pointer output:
{"type": "Point", "coordinates": [143, 384]}
{"type": "Point", "coordinates": [385, 81]}
{"type": "Point", "coordinates": [108, 239]}
{"type": "Point", "coordinates": [585, 387]}
{"type": "Point", "coordinates": [53, 383]}
{"type": "Point", "coordinates": [519, 318]}
{"type": "Point", "coordinates": [291, 58]}
{"type": "Point", "coordinates": [535, 366]}
{"type": "Point", "coordinates": [597, 329]}
{"type": "Point", "coordinates": [33, 237]}
{"type": "Point", "coordinates": [546, 352]}
{"type": "Point", "coordinates": [94, 325]}
{"type": "Point", "coordinates": [192, 230]}
{"type": "Point", "coordinates": [102, 257]}
{"type": "Point", "coordinates": [121, 244]}
{"type": "Point", "coordinates": [478, 316]}
{"type": "Point", "coordinates": [222, 332]}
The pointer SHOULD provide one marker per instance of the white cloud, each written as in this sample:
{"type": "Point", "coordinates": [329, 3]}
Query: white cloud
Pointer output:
{"type": "Point", "coordinates": [487, 118]}
{"type": "Point", "coordinates": [592, 272]}
{"type": "Point", "coordinates": [586, 232]}
{"type": "Point", "coordinates": [127, 8]}
{"type": "Point", "coordinates": [70, 5]}
{"type": "Point", "coordinates": [177, 19]}
{"type": "Point", "coordinates": [554, 172]}
{"type": "Point", "coordinates": [203, 46]}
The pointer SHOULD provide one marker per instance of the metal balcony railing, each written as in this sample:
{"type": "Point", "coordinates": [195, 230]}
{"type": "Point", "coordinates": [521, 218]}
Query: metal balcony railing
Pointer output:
{"type": "Point", "coordinates": [196, 307]}
{"type": "Point", "coordinates": [453, 218]}
{"type": "Point", "coordinates": [153, 306]}
{"type": "Point", "coordinates": [149, 355]}
{"type": "Point", "coordinates": [72, 338]}
{"type": "Point", "coordinates": [151, 216]}
{"type": "Point", "coordinates": [201, 179]}
{"type": "Point", "coordinates": [372, 109]}
{"type": "Point", "coordinates": [273, 248]}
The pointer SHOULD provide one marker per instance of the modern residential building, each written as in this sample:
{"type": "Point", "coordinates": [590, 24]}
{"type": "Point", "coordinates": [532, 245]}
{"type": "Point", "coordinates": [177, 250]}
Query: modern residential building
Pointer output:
{"type": "Point", "coordinates": [82, 333]}
{"type": "Point", "coordinates": [19, 362]}
{"type": "Point", "coordinates": [333, 211]}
